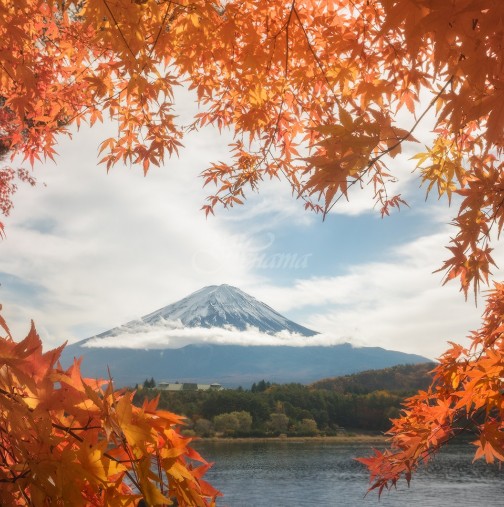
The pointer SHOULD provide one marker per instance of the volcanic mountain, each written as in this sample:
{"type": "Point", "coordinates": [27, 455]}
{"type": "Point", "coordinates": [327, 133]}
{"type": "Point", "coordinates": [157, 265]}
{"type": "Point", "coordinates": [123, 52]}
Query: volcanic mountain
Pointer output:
{"type": "Point", "coordinates": [132, 354]}
{"type": "Point", "coordinates": [216, 306]}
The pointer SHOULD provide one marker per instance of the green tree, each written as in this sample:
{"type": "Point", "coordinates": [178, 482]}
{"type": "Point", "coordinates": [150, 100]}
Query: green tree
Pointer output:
{"type": "Point", "coordinates": [149, 383]}
{"type": "Point", "coordinates": [203, 427]}
{"type": "Point", "coordinates": [278, 422]}
{"type": "Point", "coordinates": [244, 420]}
{"type": "Point", "coordinates": [307, 427]}
{"type": "Point", "coordinates": [260, 387]}
{"type": "Point", "coordinates": [219, 402]}
{"type": "Point", "coordinates": [226, 423]}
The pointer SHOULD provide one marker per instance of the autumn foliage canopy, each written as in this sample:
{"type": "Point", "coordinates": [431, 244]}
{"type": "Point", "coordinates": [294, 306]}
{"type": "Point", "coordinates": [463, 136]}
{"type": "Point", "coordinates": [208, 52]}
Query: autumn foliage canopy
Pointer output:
{"type": "Point", "coordinates": [311, 90]}
{"type": "Point", "coordinates": [65, 440]}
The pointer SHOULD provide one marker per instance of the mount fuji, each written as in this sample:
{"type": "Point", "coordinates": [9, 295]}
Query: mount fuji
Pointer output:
{"type": "Point", "coordinates": [159, 345]}
{"type": "Point", "coordinates": [216, 306]}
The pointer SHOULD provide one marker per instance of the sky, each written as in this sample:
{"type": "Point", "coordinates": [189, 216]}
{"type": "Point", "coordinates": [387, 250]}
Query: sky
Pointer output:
{"type": "Point", "coordinates": [86, 251]}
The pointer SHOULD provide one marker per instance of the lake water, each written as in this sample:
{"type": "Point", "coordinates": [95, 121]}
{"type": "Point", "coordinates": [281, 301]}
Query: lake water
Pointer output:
{"type": "Point", "coordinates": [288, 474]}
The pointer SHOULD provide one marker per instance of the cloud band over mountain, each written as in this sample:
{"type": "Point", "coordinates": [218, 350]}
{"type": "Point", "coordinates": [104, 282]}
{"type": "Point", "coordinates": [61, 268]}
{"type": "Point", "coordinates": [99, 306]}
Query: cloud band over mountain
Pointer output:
{"type": "Point", "coordinates": [172, 334]}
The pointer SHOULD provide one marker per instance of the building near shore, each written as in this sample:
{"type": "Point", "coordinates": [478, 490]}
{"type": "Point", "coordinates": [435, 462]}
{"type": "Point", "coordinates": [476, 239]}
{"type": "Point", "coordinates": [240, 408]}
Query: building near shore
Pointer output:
{"type": "Point", "coordinates": [188, 386]}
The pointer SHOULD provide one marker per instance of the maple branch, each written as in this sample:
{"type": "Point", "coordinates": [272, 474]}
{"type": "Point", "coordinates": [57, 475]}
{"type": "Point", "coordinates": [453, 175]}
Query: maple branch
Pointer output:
{"type": "Point", "coordinates": [67, 429]}
{"type": "Point", "coordinates": [118, 28]}
{"type": "Point", "coordinates": [7, 72]}
{"type": "Point", "coordinates": [376, 26]}
{"type": "Point", "coordinates": [493, 218]}
{"type": "Point", "coordinates": [106, 454]}
{"type": "Point", "coordinates": [415, 125]}
{"type": "Point", "coordinates": [315, 56]}
{"type": "Point", "coordinates": [85, 69]}
{"type": "Point", "coordinates": [12, 396]}
{"type": "Point", "coordinates": [292, 9]}
{"type": "Point", "coordinates": [165, 17]}
{"type": "Point", "coordinates": [9, 452]}
{"type": "Point", "coordinates": [395, 145]}
{"type": "Point", "coordinates": [133, 462]}
{"type": "Point", "coordinates": [15, 477]}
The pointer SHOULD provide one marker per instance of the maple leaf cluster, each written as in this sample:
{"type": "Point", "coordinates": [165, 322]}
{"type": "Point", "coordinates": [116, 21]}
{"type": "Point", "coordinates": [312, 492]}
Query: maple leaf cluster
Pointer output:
{"type": "Point", "coordinates": [466, 396]}
{"type": "Point", "coordinates": [66, 440]}
{"type": "Point", "coordinates": [310, 88]}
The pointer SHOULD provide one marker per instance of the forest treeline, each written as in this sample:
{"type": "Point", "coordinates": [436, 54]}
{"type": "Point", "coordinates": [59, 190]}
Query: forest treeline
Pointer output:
{"type": "Point", "coordinates": [363, 402]}
{"type": "Point", "coordinates": [404, 378]}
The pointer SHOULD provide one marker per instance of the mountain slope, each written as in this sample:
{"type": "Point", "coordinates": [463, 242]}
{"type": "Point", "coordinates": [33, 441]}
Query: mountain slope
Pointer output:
{"type": "Point", "coordinates": [131, 357]}
{"type": "Point", "coordinates": [233, 365]}
{"type": "Point", "coordinates": [216, 306]}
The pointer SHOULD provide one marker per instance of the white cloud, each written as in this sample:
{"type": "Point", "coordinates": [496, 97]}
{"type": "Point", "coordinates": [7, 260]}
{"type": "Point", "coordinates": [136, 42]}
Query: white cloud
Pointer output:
{"type": "Point", "coordinates": [397, 304]}
{"type": "Point", "coordinates": [171, 335]}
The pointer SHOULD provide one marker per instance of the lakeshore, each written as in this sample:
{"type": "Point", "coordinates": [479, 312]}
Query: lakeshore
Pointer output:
{"type": "Point", "coordinates": [340, 439]}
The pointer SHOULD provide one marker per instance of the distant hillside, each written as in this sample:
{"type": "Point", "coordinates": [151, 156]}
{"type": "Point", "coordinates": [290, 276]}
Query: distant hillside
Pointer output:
{"type": "Point", "coordinates": [233, 365]}
{"type": "Point", "coordinates": [149, 347]}
{"type": "Point", "coordinates": [397, 379]}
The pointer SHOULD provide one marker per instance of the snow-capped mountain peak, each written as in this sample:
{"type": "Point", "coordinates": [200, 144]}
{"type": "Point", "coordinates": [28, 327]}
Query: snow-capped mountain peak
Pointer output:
{"type": "Point", "coordinates": [224, 305]}
{"type": "Point", "coordinates": [215, 306]}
